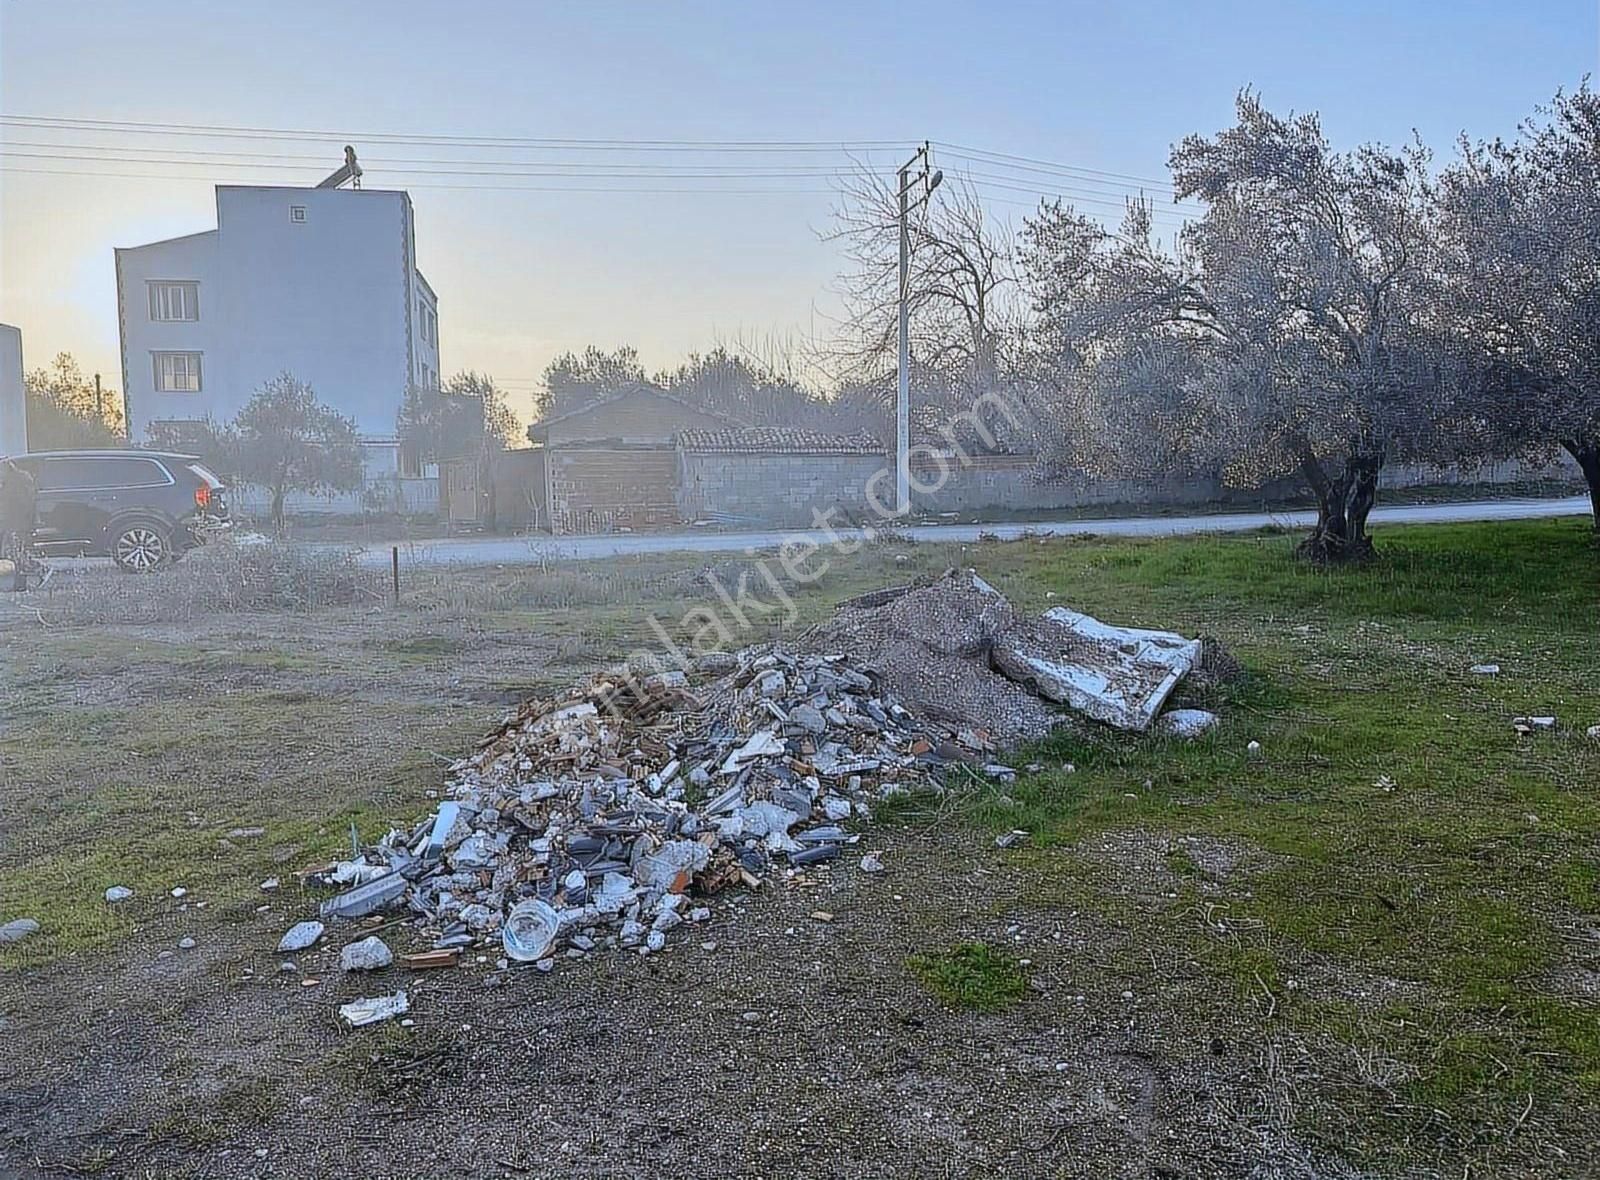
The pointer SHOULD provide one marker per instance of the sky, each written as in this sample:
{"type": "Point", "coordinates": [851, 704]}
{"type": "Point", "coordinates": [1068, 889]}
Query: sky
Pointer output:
{"type": "Point", "coordinates": [1073, 91]}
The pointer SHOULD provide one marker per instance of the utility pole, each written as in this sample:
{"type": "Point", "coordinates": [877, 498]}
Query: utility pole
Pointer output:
{"type": "Point", "coordinates": [99, 401]}
{"type": "Point", "coordinates": [902, 400]}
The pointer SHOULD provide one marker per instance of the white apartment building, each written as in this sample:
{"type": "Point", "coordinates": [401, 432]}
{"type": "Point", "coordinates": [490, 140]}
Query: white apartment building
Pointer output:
{"type": "Point", "coordinates": [318, 282]}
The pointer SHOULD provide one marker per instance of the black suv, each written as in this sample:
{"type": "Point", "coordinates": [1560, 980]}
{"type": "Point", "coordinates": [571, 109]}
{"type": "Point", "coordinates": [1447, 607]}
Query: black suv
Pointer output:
{"type": "Point", "coordinates": [143, 509]}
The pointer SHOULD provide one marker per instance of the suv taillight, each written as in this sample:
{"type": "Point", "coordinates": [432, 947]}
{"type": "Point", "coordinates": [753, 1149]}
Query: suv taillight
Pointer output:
{"type": "Point", "coordinates": [202, 497]}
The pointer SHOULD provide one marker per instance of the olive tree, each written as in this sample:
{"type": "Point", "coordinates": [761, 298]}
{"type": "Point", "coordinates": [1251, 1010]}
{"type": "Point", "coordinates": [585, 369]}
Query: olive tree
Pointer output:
{"type": "Point", "coordinates": [1519, 279]}
{"type": "Point", "coordinates": [1284, 319]}
{"type": "Point", "coordinates": [287, 441]}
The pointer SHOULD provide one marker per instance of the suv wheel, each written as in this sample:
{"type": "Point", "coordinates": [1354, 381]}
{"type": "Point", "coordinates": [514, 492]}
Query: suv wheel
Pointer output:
{"type": "Point", "coordinates": [141, 548]}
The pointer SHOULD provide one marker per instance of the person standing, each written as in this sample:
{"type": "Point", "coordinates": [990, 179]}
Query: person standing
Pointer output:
{"type": "Point", "coordinates": [19, 506]}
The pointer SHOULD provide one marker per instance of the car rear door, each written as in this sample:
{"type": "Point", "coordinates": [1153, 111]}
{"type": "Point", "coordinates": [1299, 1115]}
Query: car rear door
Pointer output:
{"type": "Point", "coordinates": [80, 495]}
{"type": "Point", "coordinates": [60, 522]}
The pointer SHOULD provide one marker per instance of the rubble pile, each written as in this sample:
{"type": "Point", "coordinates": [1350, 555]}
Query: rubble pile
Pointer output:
{"type": "Point", "coordinates": [607, 817]}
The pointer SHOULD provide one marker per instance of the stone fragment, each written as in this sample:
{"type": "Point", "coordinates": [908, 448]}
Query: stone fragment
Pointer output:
{"type": "Point", "coordinates": [370, 954]}
{"type": "Point", "coordinates": [18, 929]}
{"type": "Point", "coordinates": [300, 936]}
{"type": "Point", "coordinates": [1186, 723]}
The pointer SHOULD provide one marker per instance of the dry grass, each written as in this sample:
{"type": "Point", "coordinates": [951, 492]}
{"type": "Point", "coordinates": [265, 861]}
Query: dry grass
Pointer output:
{"type": "Point", "coordinates": [223, 577]}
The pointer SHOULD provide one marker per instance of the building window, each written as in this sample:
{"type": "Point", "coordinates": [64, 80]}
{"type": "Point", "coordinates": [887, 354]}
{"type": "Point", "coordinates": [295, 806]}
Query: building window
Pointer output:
{"type": "Point", "coordinates": [297, 214]}
{"type": "Point", "coordinates": [430, 324]}
{"type": "Point", "coordinates": [177, 372]}
{"type": "Point", "coordinates": [174, 301]}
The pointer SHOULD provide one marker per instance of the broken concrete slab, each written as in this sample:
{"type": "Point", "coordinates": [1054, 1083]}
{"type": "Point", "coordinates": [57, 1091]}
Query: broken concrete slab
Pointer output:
{"type": "Point", "coordinates": [1119, 675]}
{"type": "Point", "coordinates": [366, 899]}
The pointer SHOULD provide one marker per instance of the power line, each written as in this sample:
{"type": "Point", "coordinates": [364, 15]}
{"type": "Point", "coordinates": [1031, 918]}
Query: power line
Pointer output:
{"type": "Point", "coordinates": [220, 132]}
{"type": "Point", "coordinates": [1148, 180]}
{"type": "Point", "coordinates": [1159, 214]}
{"type": "Point", "coordinates": [976, 155]}
{"type": "Point", "coordinates": [1004, 182]}
{"type": "Point", "coordinates": [772, 192]}
{"type": "Point", "coordinates": [71, 151]}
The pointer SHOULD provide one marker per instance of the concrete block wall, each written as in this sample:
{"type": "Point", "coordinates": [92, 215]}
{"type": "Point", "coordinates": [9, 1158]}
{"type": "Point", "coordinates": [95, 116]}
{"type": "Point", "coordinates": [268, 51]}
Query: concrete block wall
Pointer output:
{"type": "Point", "coordinates": [776, 489]}
{"type": "Point", "coordinates": [994, 482]}
{"type": "Point", "coordinates": [403, 497]}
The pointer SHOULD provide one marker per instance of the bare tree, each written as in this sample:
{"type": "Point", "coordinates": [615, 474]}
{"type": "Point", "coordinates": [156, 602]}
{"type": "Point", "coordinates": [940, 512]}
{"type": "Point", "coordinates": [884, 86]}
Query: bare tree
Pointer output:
{"type": "Point", "coordinates": [1292, 300]}
{"type": "Point", "coordinates": [962, 292]}
{"type": "Point", "coordinates": [1519, 271]}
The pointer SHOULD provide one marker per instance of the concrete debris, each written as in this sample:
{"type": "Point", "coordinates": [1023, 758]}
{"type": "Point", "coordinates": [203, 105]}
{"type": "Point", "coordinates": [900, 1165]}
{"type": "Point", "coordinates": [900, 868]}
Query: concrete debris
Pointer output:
{"type": "Point", "coordinates": [118, 893]}
{"type": "Point", "coordinates": [1010, 839]}
{"type": "Point", "coordinates": [374, 1009]}
{"type": "Point", "coordinates": [1594, 732]}
{"type": "Point", "coordinates": [300, 936]}
{"type": "Point", "coordinates": [366, 899]}
{"type": "Point", "coordinates": [370, 954]}
{"type": "Point", "coordinates": [1119, 675]}
{"type": "Point", "coordinates": [590, 821]}
{"type": "Point", "coordinates": [1186, 723]}
{"type": "Point", "coordinates": [611, 816]}
{"type": "Point", "coordinates": [16, 931]}
{"type": "Point", "coordinates": [1485, 669]}
{"type": "Point", "coordinates": [1526, 725]}
{"type": "Point", "coordinates": [187, 944]}
{"type": "Point", "coordinates": [953, 648]}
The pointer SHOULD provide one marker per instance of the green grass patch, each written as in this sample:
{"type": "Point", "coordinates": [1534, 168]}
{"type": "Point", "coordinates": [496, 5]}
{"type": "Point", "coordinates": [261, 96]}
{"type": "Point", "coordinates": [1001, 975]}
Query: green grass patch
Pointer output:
{"type": "Point", "coordinates": [972, 975]}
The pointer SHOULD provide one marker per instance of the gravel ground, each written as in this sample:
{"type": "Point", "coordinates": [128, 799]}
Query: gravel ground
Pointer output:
{"type": "Point", "coordinates": [795, 1047]}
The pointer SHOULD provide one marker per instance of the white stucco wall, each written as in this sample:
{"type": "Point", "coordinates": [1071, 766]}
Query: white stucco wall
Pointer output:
{"type": "Point", "coordinates": [192, 258]}
{"type": "Point", "coordinates": [13, 406]}
{"type": "Point", "coordinates": [331, 298]}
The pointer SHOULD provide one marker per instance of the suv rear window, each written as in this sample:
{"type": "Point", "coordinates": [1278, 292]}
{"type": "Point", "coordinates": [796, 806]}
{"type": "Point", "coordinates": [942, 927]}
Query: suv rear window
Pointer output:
{"type": "Point", "coordinates": [94, 474]}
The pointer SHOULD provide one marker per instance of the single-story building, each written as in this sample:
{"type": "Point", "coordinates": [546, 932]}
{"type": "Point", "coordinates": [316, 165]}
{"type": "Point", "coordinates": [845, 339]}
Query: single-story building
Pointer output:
{"type": "Point", "coordinates": [613, 464]}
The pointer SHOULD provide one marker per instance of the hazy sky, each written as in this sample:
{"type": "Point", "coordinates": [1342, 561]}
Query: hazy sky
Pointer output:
{"type": "Point", "coordinates": [522, 275]}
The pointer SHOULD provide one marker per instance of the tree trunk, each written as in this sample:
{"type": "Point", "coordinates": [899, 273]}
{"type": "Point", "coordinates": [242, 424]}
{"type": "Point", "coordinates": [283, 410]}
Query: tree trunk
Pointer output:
{"type": "Point", "coordinates": [1587, 452]}
{"type": "Point", "coordinates": [277, 512]}
{"type": "Point", "coordinates": [1343, 504]}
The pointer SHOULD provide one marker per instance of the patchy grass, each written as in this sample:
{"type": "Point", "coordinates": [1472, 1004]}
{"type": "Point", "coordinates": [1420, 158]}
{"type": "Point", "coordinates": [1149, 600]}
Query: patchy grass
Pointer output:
{"type": "Point", "coordinates": [972, 975]}
{"type": "Point", "coordinates": [1415, 883]}
{"type": "Point", "coordinates": [1415, 839]}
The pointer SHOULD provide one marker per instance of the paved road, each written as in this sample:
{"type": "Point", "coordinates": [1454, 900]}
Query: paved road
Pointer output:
{"type": "Point", "coordinates": [517, 550]}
